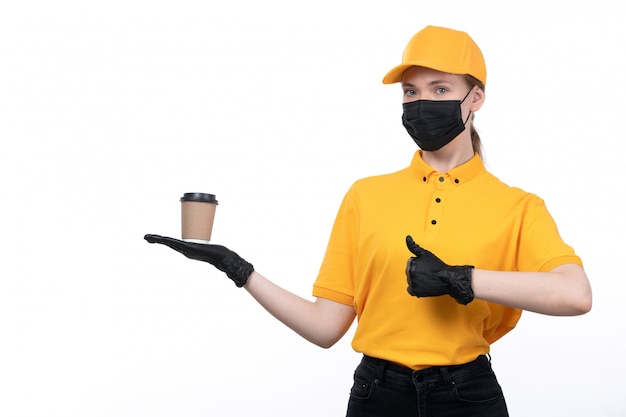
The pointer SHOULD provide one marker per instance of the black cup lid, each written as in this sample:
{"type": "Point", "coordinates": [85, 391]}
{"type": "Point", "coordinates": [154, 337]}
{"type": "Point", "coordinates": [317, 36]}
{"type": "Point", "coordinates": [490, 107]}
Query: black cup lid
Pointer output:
{"type": "Point", "coordinates": [202, 197]}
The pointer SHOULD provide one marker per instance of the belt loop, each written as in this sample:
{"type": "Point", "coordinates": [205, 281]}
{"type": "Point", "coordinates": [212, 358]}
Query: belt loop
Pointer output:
{"type": "Point", "coordinates": [445, 374]}
{"type": "Point", "coordinates": [380, 373]}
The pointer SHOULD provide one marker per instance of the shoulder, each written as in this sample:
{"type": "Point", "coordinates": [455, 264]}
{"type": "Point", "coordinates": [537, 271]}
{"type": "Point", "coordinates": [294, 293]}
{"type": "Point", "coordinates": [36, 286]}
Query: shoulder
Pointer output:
{"type": "Point", "coordinates": [496, 188]}
{"type": "Point", "coordinates": [382, 182]}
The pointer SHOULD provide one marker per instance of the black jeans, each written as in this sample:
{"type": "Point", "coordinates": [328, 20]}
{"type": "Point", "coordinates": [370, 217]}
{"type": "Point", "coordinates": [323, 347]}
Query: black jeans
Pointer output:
{"type": "Point", "coordinates": [384, 389]}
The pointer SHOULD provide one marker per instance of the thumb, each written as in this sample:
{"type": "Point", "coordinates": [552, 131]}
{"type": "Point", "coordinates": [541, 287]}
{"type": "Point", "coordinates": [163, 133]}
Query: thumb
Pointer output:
{"type": "Point", "coordinates": [414, 247]}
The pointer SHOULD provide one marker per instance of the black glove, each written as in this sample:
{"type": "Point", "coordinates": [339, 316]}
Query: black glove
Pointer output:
{"type": "Point", "coordinates": [429, 276]}
{"type": "Point", "coordinates": [235, 267]}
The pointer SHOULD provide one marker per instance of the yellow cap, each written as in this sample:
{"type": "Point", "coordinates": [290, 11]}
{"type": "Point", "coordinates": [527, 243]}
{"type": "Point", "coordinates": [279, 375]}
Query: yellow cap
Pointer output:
{"type": "Point", "coordinates": [441, 49]}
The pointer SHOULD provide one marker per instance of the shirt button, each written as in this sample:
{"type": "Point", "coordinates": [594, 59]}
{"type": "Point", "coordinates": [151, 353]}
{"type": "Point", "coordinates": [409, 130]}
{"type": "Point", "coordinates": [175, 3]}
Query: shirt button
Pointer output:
{"type": "Point", "coordinates": [438, 200]}
{"type": "Point", "coordinates": [441, 179]}
{"type": "Point", "coordinates": [456, 180]}
{"type": "Point", "coordinates": [433, 221]}
{"type": "Point", "coordinates": [424, 179]}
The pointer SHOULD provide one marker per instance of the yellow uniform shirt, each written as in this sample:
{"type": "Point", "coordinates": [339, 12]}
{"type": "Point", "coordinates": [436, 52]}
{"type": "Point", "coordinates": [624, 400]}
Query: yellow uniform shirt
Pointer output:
{"type": "Point", "coordinates": [466, 217]}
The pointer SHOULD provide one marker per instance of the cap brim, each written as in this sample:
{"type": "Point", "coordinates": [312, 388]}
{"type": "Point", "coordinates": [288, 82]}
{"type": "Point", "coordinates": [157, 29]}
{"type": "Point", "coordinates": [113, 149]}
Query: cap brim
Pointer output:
{"type": "Point", "coordinates": [395, 75]}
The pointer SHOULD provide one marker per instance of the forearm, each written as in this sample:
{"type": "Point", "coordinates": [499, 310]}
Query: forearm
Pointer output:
{"type": "Point", "coordinates": [322, 322]}
{"type": "Point", "coordinates": [564, 291]}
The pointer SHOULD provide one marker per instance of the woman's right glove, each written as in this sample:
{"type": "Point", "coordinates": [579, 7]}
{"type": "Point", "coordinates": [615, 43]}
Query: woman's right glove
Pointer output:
{"type": "Point", "coordinates": [235, 267]}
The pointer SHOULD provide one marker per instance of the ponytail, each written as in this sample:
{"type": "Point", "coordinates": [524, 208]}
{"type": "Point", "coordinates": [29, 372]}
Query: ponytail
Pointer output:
{"type": "Point", "coordinates": [476, 142]}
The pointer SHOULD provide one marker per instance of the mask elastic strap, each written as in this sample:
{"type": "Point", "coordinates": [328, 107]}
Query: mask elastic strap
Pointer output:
{"type": "Point", "coordinates": [470, 113]}
{"type": "Point", "coordinates": [468, 91]}
{"type": "Point", "coordinates": [468, 116]}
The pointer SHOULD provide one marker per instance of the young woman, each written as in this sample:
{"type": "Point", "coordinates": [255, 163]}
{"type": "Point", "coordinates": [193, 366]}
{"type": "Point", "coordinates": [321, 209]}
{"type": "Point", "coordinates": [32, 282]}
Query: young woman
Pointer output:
{"type": "Point", "coordinates": [436, 260]}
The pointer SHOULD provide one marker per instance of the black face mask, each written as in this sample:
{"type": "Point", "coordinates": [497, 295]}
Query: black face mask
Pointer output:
{"type": "Point", "coordinates": [434, 123]}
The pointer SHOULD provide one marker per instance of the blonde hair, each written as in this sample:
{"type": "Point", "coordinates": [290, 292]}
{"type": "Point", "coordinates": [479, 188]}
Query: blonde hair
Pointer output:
{"type": "Point", "coordinates": [476, 142]}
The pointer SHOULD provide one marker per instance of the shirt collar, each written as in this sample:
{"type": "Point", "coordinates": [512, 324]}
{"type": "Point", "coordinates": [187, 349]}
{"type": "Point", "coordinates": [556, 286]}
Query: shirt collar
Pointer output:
{"type": "Point", "coordinates": [459, 175]}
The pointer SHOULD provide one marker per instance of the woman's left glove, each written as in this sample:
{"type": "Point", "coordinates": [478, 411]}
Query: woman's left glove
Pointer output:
{"type": "Point", "coordinates": [429, 276]}
{"type": "Point", "coordinates": [235, 267]}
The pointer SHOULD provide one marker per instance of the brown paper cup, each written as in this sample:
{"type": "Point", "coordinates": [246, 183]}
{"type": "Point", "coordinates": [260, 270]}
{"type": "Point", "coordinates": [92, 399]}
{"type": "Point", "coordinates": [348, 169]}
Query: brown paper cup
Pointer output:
{"type": "Point", "coordinates": [197, 216]}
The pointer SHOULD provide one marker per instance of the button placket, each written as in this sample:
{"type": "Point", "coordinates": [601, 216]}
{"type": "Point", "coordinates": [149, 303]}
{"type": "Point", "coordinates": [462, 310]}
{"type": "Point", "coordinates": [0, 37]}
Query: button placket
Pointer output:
{"type": "Point", "coordinates": [442, 184]}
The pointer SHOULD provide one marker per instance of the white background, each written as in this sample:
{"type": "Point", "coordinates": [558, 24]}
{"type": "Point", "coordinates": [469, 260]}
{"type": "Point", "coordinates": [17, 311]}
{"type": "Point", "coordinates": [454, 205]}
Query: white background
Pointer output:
{"type": "Point", "coordinates": [109, 111]}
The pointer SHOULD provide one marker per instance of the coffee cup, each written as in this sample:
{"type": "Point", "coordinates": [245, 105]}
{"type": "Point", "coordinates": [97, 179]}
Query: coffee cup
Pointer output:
{"type": "Point", "coordinates": [197, 216]}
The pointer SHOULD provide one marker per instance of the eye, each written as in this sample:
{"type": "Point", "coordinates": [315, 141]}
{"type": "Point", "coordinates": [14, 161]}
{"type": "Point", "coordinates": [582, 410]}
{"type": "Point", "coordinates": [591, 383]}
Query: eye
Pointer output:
{"type": "Point", "coordinates": [409, 92]}
{"type": "Point", "coordinates": [441, 90]}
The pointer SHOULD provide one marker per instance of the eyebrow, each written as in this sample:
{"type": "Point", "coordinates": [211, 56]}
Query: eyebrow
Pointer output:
{"type": "Point", "coordinates": [434, 82]}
